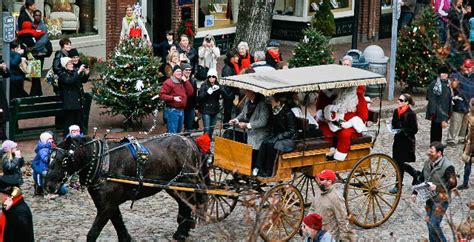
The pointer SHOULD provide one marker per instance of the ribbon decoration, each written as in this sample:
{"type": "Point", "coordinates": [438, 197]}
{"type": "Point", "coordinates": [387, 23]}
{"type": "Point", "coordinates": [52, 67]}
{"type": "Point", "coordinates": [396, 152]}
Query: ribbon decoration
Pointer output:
{"type": "Point", "coordinates": [188, 28]}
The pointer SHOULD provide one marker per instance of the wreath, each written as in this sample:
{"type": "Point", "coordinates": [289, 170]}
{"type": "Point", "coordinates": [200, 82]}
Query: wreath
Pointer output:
{"type": "Point", "coordinates": [187, 27]}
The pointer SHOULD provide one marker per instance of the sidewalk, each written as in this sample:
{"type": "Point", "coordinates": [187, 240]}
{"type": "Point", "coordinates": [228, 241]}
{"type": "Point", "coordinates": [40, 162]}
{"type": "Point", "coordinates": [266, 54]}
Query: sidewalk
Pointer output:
{"type": "Point", "coordinates": [103, 122]}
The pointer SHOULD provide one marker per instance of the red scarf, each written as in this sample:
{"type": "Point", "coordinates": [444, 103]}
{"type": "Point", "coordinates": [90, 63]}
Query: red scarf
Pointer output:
{"type": "Point", "coordinates": [275, 54]}
{"type": "Point", "coordinates": [402, 110]}
{"type": "Point", "coordinates": [236, 67]}
{"type": "Point", "coordinates": [3, 218]}
{"type": "Point", "coordinates": [245, 61]}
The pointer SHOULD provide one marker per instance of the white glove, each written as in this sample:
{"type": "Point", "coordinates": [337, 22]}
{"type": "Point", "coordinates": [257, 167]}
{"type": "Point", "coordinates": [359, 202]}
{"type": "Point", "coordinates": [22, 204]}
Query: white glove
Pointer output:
{"type": "Point", "coordinates": [346, 125]}
{"type": "Point", "coordinates": [234, 121]}
{"type": "Point", "coordinates": [139, 85]}
{"type": "Point", "coordinates": [210, 91]}
{"type": "Point", "coordinates": [215, 87]}
{"type": "Point", "coordinates": [457, 98]}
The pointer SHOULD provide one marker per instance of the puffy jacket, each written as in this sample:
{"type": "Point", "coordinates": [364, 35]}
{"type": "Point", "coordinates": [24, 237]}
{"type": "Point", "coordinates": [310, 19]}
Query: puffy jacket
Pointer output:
{"type": "Point", "coordinates": [284, 124]}
{"type": "Point", "coordinates": [13, 167]}
{"type": "Point", "coordinates": [209, 104]}
{"type": "Point", "coordinates": [57, 67]}
{"type": "Point", "coordinates": [70, 83]}
{"type": "Point", "coordinates": [40, 162]}
{"type": "Point", "coordinates": [16, 74]}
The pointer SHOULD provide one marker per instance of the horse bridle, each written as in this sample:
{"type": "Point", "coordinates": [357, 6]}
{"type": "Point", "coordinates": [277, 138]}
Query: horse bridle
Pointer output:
{"type": "Point", "coordinates": [95, 164]}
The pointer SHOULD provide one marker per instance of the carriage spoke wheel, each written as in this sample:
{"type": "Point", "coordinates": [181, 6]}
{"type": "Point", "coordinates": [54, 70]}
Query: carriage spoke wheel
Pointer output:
{"type": "Point", "coordinates": [219, 206]}
{"type": "Point", "coordinates": [307, 186]}
{"type": "Point", "coordinates": [280, 213]}
{"type": "Point", "coordinates": [367, 196]}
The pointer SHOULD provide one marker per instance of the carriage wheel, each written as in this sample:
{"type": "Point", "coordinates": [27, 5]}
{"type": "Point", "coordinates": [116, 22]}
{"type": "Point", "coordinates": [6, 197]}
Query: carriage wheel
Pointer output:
{"type": "Point", "coordinates": [367, 196]}
{"type": "Point", "coordinates": [218, 206]}
{"type": "Point", "coordinates": [307, 186]}
{"type": "Point", "coordinates": [280, 213]}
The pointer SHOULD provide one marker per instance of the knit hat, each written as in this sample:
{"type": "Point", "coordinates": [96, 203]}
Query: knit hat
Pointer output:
{"type": "Point", "coordinates": [314, 221]}
{"type": "Point", "coordinates": [65, 60]}
{"type": "Point", "coordinates": [45, 136]}
{"type": "Point", "coordinates": [8, 145]}
{"type": "Point", "coordinates": [74, 127]}
{"type": "Point", "coordinates": [327, 175]}
{"type": "Point", "coordinates": [468, 63]}
{"type": "Point", "coordinates": [212, 72]}
{"type": "Point", "coordinates": [73, 53]}
{"type": "Point", "coordinates": [176, 68]}
{"type": "Point", "coordinates": [443, 69]}
{"type": "Point", "coordinates": [273, 43]}
{"type": "Point", "coordinates": [186, 65]}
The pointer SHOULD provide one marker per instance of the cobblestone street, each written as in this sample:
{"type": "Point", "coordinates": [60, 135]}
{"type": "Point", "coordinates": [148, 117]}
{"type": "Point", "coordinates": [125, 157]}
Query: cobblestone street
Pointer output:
{"type": "Point", "coordinates": [70, 217]}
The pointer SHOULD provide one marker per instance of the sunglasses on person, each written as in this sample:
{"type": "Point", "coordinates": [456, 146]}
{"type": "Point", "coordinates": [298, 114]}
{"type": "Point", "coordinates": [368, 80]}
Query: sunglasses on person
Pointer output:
{"type": "Point", "coordinates": [213, 76]}
{"type": "Point", "coordinates": [402, 100]}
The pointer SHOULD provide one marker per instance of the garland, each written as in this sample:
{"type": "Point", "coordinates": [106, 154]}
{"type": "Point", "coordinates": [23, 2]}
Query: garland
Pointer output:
{"type": "Point", "coordinates": [187, 27]}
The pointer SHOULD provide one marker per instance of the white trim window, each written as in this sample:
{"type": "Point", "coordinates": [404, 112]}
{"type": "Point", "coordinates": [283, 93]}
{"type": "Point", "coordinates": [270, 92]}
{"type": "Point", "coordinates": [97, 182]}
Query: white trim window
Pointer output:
{"type": "Point", "coordinates": [216, 14]}
{"type": "Point", "coordinates": [302, 10]}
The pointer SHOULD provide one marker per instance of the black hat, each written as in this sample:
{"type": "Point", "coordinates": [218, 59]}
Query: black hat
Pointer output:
{"type": "Point", "coordinates": [443, 69]}
{"type": "Point", "coordinates": [186, 65]}
{"type": "Point", "coordinates": [73, 53]}
{"type": "Point", "coordinates": [177, 67]}
{"type": "Point", "coordinates": [7, 182]}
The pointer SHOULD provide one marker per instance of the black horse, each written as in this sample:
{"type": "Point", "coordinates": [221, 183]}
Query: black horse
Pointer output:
{"type": "Point", "coordinates": [171, 158]}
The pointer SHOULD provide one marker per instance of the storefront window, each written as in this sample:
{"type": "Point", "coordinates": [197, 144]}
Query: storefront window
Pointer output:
{"type": "Point", "coordinates": [289, 7]}
{"type": "Point", "coordinates": [215, 14]}
{"type": "Point", "coordinates": [336, 5]}
{"type": "Point", "coordinates": [71, 18]}
{"type": "Point", "coordinates": [386, 6]}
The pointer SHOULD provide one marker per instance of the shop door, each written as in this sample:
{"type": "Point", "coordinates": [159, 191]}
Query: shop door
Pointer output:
{"type": "Point", "coordinates": [161, 19]}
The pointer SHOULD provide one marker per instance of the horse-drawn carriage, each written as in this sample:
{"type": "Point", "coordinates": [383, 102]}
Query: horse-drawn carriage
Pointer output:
{"type": "Point", "coordinates": [280, 200]}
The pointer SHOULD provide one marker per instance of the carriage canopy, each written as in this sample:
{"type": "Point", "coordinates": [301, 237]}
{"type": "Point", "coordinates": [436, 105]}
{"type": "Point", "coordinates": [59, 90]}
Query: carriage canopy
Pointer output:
{"type": "Point", "coordinates": [304, 79]}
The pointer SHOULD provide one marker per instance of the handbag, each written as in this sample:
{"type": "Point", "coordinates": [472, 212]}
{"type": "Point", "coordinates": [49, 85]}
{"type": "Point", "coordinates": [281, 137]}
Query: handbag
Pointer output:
{"type": "Point", "coordinates": [285, 145]}
{"type": "Point", "coordinates": [201, 73]}
{"type": "Point", "coordinates": [34, 69]}
{"type": "Point", "coordinates": [24, 65]}
{"type": "Point", "coordinates": [51, 78]}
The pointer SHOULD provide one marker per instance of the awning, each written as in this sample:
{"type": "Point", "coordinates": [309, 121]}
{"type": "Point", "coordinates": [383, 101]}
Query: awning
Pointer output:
{"type": "Point", "coordinates": [304, 79]}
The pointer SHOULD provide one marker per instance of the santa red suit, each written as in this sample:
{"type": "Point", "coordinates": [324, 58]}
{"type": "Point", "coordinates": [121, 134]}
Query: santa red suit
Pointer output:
{"type": "Point", "coordinates": [342, 114]}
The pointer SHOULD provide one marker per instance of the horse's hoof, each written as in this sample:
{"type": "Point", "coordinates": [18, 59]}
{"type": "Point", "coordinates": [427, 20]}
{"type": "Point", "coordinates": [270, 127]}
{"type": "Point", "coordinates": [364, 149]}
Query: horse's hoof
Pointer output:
{"type": "Point", "coordinates": [179, 237]}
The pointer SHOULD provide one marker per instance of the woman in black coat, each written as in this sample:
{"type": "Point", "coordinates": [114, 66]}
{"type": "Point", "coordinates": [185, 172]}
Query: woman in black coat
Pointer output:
{"type": "Point", "coordinates": [208, 96]}
{"type": "Point", "coordinates": [281, 138]}
{"type": "Point", "coordinates": [404, 143]}
{"type": "Point", "coordinates": [72, 93]}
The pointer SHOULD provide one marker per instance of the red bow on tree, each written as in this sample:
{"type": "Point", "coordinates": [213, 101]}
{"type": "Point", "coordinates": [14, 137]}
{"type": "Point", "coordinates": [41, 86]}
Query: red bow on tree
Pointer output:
{"type": "Point", "coordinates": [135, 33]}
{"type": "Point", "coordinates": [188, 28]}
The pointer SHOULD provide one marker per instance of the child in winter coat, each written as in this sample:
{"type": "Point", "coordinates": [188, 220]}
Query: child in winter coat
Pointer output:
{"type": "Point", "coordinates": [468, 147]}
{"type": "Point", "coordinates": [12, 160]}
{"type": "Point", "coordinates": [41, 162]}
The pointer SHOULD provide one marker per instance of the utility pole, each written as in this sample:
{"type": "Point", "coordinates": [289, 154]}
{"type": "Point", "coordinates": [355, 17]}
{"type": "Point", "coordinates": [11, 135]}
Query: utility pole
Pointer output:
{"type": "Point", "coordinates": [393, 48]}
{"type": "Point", "coordinates": [355, 25]}
{"type": "Point", "coordinates": [8, 23]}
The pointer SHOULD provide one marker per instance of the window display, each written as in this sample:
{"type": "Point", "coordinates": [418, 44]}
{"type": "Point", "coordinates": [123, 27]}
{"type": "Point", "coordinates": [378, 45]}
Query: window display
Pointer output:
{"type": "Point", "coordinates": [214, 14]}
{"type": "Point", "coordinates": [63, 18]}
{"type": "Point", "coordinates": [336, 5]}
{"type": "Point", "coordinates": [289, 7]}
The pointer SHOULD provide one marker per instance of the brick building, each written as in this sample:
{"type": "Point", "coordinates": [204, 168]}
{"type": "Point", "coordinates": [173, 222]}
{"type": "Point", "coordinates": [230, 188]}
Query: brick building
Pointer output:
{"type": "Point", "coordinates": [94, 25]}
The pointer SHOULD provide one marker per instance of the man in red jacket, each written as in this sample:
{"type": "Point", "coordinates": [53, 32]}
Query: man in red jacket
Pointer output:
{"type": "Point", "coordinates": [174, 93]}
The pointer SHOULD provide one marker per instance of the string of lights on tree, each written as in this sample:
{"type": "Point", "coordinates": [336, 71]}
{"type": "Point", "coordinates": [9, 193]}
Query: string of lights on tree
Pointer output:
{"type": "Point", "coordinates": [313, 49]}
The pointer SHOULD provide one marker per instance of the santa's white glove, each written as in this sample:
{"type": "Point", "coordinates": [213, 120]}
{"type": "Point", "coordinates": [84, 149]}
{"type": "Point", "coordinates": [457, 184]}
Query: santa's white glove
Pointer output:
{"type": "Point", "coordinates": [346, 125]}
{"type": "Point", "coordinates": [139, 85]}
{"type": "Point", "coordinates": [210, 91]}
{"type": "Point", "coordinates": [215, 87]}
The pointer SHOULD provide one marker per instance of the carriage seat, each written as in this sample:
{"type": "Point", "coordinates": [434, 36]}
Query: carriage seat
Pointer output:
{"type": "Point", "coordinates": [320, 143]}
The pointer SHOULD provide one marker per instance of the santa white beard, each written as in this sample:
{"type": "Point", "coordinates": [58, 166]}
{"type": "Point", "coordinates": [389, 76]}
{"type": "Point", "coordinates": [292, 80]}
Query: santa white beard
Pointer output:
{"type": "Point", "coordinates": [347, 100]}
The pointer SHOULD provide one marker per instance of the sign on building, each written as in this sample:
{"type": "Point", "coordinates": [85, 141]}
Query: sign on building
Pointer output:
{"type": "Point", "coordinates": [8, 29]}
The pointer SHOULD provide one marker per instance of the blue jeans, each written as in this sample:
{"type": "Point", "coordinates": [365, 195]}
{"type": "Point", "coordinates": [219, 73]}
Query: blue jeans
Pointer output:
{"type": "Point", "coordinates": [174, 119]}
{"type": "Point", "coordinates": [442, 28]}
{"type": "Point", "coordinates": [189, 119]}
{"type": "Point", "coordinates": [209, 121]}
{"type": "Point", "coordinates": [405, 19]}
{"type": "Point", "coordinates": [435, 217]}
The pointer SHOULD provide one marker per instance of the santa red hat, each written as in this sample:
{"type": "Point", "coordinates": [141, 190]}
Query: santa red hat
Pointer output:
{"type": "Point", "coordinates": [314, 221]}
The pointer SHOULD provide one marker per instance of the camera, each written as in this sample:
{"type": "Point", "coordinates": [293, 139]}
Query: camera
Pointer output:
{"type": "Point", "coordinates": [86, 66]}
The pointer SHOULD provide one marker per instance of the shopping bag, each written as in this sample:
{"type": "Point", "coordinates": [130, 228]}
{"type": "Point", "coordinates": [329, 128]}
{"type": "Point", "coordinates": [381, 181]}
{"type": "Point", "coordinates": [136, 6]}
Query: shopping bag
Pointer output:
{"type": "Point", "coordinates": [34, 69]}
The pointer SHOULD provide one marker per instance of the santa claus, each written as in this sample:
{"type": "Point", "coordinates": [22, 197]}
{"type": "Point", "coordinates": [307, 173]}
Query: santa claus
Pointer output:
{"type": "Point", "coordinates": [342, 114]}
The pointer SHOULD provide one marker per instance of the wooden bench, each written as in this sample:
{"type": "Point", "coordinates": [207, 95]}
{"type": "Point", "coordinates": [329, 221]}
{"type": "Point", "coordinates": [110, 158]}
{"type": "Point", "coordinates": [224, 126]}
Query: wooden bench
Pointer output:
{"type": "Point", "coordinates": [41, 107]}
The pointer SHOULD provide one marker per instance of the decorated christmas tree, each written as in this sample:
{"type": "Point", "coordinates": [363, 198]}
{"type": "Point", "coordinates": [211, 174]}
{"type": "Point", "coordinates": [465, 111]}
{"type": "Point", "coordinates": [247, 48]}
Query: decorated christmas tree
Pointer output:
{"type": "Point", "coordinates": [314, 49]}
{"type": "Point", "coordinates": [419, 52]}
{"type": "Point", "coordinates": [324, 18]}
{"type": "Point", "coordinates": [129, 82]}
